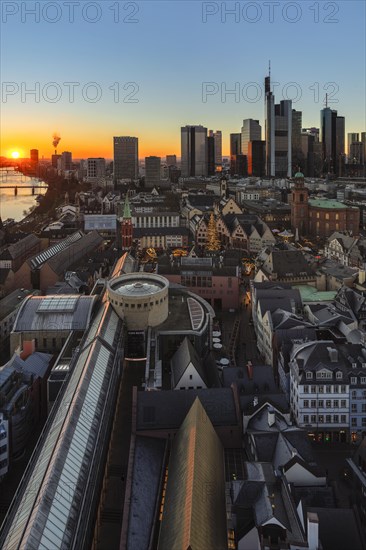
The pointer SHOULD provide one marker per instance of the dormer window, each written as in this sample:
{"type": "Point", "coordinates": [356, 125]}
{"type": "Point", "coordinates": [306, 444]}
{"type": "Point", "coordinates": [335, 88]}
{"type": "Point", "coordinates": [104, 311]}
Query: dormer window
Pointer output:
{"type": "Point", "coordinates": [353, 380]}
{"type": "Point", "coordinates": [339, 375]}
{"type": "Point", "coordinates": [309, 375]}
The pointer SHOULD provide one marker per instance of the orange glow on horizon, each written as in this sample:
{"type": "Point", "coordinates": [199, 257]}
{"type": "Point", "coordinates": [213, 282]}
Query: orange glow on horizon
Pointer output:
{"type": "Point", "coordinates": [83, 148]}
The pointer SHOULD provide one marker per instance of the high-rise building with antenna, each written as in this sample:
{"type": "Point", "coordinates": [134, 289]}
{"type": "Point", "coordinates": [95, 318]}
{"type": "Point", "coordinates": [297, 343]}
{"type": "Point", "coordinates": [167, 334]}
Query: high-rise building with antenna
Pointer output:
{"type": "Point", "coordinates": [278, 134]}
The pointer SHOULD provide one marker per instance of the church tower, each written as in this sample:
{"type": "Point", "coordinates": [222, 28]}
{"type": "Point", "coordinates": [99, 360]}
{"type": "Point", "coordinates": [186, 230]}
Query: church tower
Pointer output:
{"type": "Point", "coordinates": [300, 206]}
{"type": "Point", "coordinates": [126, 226]}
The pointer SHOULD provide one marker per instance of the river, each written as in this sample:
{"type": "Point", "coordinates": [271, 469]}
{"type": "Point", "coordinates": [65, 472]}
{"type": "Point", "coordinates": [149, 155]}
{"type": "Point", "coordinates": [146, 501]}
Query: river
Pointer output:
{"type": "Point", "coordinates": [14, 206]}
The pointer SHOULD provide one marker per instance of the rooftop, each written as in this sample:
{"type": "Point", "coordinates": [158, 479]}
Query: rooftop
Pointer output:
{"type": "Point", "coordinates": [12, 301]}
{"type": "Point", "coordinates": [60, 312]}
{"type": "Point", "coordinates": [327, 203]}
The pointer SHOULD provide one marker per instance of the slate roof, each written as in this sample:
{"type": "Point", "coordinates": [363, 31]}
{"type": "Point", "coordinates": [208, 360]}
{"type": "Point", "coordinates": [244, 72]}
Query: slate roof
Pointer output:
{"type": "Point", "coordinates": [185, 355]}
{"type": "Point", "coordinates": [202, 201]}
{"type": "Point", "coordinates": [15, 250]}
{"type": "Point", "coordinates": [167, 410]}
{"type": "Point", "coordinates": [289, 261]}
{"type": "Point", "coordinates": [30, 318]}
{"type": "Point", "coordinates": [338, 529]}
{"type": "Point", "coordinates": [146, 476]}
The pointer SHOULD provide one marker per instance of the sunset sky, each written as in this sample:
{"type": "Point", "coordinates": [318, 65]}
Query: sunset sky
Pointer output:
{"type": "Point", "coordinates": [168, 53]}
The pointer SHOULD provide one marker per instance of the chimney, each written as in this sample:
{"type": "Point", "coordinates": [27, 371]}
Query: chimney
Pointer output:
{"type": "Point", "coordinates": [313, 530]}
{"type": "Point", "coordinates": [333, 355]}
{"type": "Point", "coordinates": [271, 417]}
{"type": "Point", "coordinates": [29, 347]}
{"type": "Point", "coordinates": [361, 276]}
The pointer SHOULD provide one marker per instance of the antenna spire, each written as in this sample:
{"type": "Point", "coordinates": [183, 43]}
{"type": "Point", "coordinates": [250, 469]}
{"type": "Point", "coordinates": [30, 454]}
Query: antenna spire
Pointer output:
{"type": "Point", "coordinates": [326, 100]}
{"type": "Point", "coordinates": [269, 68]}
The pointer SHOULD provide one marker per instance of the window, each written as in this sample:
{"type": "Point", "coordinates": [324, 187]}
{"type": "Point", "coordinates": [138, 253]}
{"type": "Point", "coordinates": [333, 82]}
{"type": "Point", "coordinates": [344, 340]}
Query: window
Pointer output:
{"type": "Point", "coordinates": [321, 419]}
{"type": "Point", "coordinates": [354, 422]}
{"type": "Point", "coordinates": [306, 403]}
{"type": "Point", "coordinates": [336, 403]}
{"type": "Point", "coordinates": [306, 389]}
{"type": "Point", "coordinates": [309, 375]}
{"type": "Point", "coordinates": [363, 380]}
{"type": "Point", "coordinates": [339, 375]}
{"type": "Point", "coordinates": [328, 419]}
{"type": "Point", "coordinates": [190, 376]}
{"type": "Point", "coordinates": [343, 419]}
{"type": "Point", "coordinates": [343, 403]}
{"type": "Point", "coordinates": [313, 389]}
{"type": "Point", "coordinates": [354, 394]}
{"type": "Point", "coordinates": [328, 403]}
{"type": "Point", "coordinates": [336, 418]}
{"type": "Point", "coordinates": [306, 418]}
{"type": "Point", "coordinates": [321, 403]}
{"type": "Point", "coordinates": [364, 407]}
{"type": "Point", "coordinates": [313, 403]}
{"type": "Point", "coordinates": [354, 407]}
{"type": "Point", "coordinates": [321, 389]}
{"type": "Point", "coordinates": [313, 418]}
{"type": "Point", "coordinates": [335, 389]}
{"type": "Point", "coordinates": [353, 380]}
{"type": "Point", "coordinates": [363, 422]}
{"type": "Point", "coordinates": [343, 389]}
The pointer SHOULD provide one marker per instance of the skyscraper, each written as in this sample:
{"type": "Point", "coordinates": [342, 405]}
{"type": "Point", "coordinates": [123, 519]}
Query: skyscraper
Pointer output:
{"type": "Point", "coordinates": [278, 132]}
{"type": "Point", "coordinates": [269, 128]}
{"type": "Point", "coordinates": [152, 171]}
{"type": "Point", "coordinates": [297, 156]}
{"type": "Point", "coordinates": [237, 164]}
{"type": "Point", "coordinates": [194, 151]}
{"type": "Point", "coordinates": [256, 158]}
{"type": "Point", "coordinates": [171, 160]}
{"type": "Point", "coordinates": [351, 138]}
{"type": "Point", "coordinates": [34, 156]}
{"type": "Point", "coordinates": [95, 168]}
{"type": "Point", "coordinates": [211, 165]}
{"type": "Point", "coordinates": [332, 129]}
{"type": "Point", "coordinates": [363, 141]}
{"type": "Point", "coordinates": [250, 131]}
{"type": "Point", "coordinates": [235, 144]}
{"type": "Point", "coordinates": [66, 161]}
{"type": "Point", "coordinates": [126, 157]}
{"type": "Point", "coordinates": [218, 147]}
{"type": "Point", "coordinates": [283, 138]}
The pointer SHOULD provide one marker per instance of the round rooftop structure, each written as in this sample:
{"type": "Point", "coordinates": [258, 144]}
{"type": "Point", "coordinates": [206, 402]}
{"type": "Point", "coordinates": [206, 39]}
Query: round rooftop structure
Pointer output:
{"type": "Point", "coordinates": [140, 299]}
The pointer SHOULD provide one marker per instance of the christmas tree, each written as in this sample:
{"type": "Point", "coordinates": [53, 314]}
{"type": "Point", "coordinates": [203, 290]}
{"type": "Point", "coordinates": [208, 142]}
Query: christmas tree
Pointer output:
{"type": "Point", "coordinates": [213, 241]}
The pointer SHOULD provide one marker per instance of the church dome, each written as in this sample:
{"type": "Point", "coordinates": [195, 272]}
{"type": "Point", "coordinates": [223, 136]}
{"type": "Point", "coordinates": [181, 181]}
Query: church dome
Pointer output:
{"type": "Point", "coordinates": [299, 175]}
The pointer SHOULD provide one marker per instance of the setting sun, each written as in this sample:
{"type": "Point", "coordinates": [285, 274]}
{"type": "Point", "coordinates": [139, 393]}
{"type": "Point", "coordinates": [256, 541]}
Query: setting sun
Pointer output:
{"type": "Point", "coordinates": [15, 155]}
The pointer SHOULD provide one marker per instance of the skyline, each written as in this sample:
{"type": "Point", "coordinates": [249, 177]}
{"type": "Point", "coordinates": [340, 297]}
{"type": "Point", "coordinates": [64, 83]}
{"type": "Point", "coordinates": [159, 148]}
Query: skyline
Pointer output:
{"type": "Point", "coordinates": [163, 69]}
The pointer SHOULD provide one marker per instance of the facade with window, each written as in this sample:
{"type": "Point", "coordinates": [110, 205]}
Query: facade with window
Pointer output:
{"type": "Point", "coordinates": [320, 391]}
{"type": "Point", "coordinates": [357, 379]}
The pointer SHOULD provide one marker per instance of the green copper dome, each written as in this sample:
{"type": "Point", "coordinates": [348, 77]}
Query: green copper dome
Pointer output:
{"type": "Point", "coordinates": [299, 175]}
